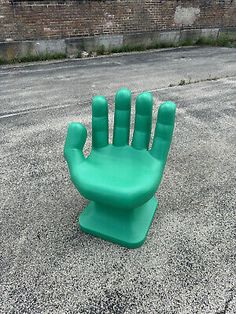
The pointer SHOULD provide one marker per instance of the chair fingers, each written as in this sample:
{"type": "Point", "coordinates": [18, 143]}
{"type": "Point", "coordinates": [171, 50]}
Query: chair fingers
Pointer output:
{"type": "Point", "coordinates": [99, 122]}
{"type": "Point", "coordinates": [122, 117]}
{"type": "Point", "coordinates": [73, 149]}
{"type": "Point", "coordinates": [143, 121]}
{"type": "Point", "coordinates": [164, 131]}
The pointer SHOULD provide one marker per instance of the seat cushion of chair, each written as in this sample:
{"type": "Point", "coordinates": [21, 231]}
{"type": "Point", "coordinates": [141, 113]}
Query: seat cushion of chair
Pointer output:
{"type": "Point", "coordinates": [119, 175]}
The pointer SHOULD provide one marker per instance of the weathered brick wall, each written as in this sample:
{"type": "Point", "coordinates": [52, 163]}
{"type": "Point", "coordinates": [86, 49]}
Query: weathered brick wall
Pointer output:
{"type": "Point", "coordinates": [26, 20]}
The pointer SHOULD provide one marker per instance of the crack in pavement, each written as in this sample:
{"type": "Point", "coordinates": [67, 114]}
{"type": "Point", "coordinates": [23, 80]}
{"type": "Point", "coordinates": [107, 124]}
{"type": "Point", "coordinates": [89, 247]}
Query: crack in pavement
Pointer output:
{"type": "Point", "coordinates": [109, 97]}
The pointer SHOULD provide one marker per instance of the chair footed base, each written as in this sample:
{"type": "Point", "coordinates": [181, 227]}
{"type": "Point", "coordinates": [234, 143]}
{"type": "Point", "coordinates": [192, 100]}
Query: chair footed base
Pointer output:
{"type": "Point", "coordinates": [126, 227]}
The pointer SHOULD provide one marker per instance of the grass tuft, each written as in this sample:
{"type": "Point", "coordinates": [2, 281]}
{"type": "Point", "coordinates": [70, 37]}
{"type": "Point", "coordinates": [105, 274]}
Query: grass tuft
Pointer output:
{"type": "Point", "coordinates": [221, 41]}
{"type": "Point", "coordinates": [101, 50]}
{"type": "Point", "coordinates": [2, 61]}
{"type": "Point", "coordinates": [33, 58]}
{"type": "Point", "coordinates": [182, 82]}
{"type": "Point", "coordinates": [41, 57]}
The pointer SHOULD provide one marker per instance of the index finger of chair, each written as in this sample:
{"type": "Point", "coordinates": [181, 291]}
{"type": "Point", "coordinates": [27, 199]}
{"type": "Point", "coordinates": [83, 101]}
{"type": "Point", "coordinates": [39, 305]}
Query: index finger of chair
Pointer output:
{"type": "Point", "coordinates": [164, 130]}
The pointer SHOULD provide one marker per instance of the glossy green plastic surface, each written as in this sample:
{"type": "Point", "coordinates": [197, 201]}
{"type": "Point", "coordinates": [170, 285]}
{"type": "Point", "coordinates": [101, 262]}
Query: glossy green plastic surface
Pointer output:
{"type": "Point", "coordinates": [120, 179]}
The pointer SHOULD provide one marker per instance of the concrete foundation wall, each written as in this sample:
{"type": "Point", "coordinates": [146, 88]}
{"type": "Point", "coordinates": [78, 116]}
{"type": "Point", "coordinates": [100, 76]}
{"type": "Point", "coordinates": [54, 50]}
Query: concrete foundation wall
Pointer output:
{"type": "Point", "coordinates": [71, 47]}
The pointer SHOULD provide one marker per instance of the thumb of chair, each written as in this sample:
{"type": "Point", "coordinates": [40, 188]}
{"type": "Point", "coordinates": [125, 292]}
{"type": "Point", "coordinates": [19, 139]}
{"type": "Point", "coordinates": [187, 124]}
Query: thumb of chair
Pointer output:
{"type": "Point", "coordinates": [75, 140]}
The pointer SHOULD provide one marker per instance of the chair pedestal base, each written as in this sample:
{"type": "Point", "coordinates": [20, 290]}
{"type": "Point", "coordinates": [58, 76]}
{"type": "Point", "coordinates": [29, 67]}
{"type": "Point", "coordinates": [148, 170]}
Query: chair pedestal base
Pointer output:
{"type": "Point", "coordinates": [128, 227]}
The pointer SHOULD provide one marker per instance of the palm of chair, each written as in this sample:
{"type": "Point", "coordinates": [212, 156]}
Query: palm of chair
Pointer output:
{"type": "Point", "coordinates": [120, 179]}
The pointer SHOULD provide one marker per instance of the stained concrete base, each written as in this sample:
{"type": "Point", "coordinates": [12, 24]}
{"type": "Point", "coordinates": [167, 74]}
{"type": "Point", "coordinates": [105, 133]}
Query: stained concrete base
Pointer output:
{"type": "Point", "coordinates": [72, 46]}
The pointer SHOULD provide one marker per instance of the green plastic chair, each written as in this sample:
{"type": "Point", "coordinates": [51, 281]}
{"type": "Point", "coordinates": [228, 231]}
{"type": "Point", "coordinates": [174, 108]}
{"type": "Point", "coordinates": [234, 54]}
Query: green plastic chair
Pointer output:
{"type": "Point", "coordinates": [120, 179]}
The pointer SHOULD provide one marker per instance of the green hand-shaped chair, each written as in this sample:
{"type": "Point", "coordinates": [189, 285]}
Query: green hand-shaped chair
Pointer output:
{"type": "Point", "coordinates": [120, 180]}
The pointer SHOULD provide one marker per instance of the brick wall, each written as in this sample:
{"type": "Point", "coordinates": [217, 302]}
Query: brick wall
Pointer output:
{"type": "Point", "coordinates": [29, 20]}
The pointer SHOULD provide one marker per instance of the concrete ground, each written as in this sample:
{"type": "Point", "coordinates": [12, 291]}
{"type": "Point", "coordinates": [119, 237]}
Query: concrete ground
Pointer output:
{"type": "Point", "coordinates": [187, 264]}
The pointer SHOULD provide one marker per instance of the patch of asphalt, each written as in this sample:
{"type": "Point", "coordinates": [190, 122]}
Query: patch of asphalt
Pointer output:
{"type": "Point", "coordinates": [53, 85]}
